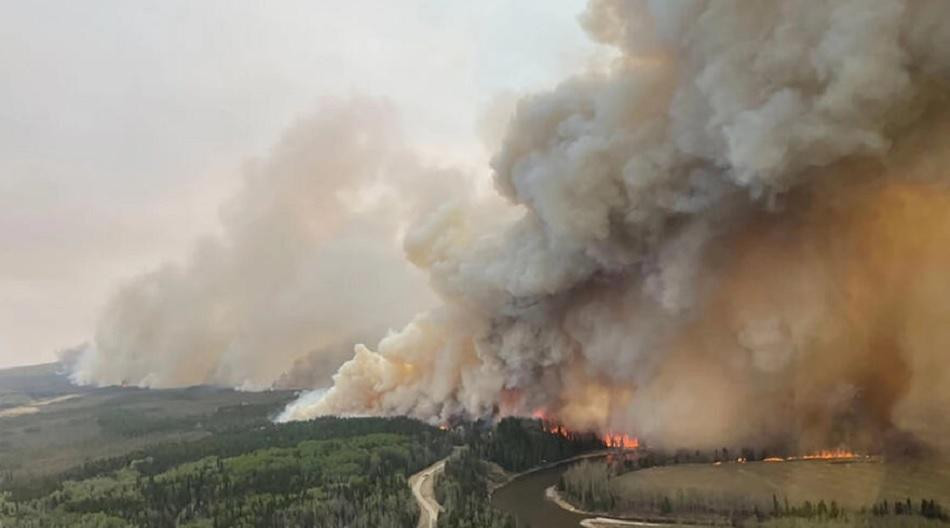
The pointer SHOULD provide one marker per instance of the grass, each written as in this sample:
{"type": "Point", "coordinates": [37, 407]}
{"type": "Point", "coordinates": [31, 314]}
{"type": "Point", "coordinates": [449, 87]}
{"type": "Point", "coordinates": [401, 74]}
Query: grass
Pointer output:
{"type": "Point", "coordinates": [866, 521]}
{"type": "Point", "coordinates": [852, 485]}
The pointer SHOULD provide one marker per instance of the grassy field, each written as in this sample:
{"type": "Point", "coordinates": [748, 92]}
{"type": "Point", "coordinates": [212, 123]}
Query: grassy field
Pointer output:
{"type": "Point", "coordinates": [97, 423]}
{"type": "Point", "coordinates": [852, 485]}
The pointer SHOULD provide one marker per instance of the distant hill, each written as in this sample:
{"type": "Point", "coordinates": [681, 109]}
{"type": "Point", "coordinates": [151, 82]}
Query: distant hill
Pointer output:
{"type": "Point", "coordinates": [48, 425]}
{"type": "Point", "coordinates": [21, 385]}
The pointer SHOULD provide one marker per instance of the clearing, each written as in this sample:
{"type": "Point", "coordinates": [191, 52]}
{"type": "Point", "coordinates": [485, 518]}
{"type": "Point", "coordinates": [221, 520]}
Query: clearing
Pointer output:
{"type": "Point", "coordinates": [852, 484]}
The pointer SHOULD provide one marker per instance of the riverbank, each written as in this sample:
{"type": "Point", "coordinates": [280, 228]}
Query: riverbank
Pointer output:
{"type": "Point", "coordinates": [529, 496]}
{"type": "Point", "coordinates": [553, 495]}
{"type": "Point", "coordinates": [596, 521]}
{"type": "Point", "coordinates": [508, 477]}
{"type": "Point", "coordinates": [608, 522]}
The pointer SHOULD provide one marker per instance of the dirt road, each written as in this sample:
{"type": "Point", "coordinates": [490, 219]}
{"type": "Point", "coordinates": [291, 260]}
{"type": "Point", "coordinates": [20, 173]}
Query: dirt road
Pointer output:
{"type": "Point", "coordinates": [423, 488]}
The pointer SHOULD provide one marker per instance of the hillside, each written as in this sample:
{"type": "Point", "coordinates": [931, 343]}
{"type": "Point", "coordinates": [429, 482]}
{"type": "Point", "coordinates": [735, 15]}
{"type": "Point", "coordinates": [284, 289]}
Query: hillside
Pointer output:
{"type": "Point", "coordinates": [22, 385]}
{"type": "Point", "coordinates": [49, 425]}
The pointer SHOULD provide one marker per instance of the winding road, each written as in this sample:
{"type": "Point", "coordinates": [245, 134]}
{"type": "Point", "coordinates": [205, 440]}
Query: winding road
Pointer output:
{"type": "Point", "coordinates": [423, 488]}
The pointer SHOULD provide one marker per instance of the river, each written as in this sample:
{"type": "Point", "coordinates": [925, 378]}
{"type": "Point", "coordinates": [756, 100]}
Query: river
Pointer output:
{"type": "Point", "coordinates": [524, 498]}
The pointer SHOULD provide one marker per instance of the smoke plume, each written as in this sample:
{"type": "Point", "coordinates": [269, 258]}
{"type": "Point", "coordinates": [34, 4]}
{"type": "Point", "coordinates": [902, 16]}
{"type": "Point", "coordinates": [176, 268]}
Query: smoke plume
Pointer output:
{"type": "Point", "coordinates": [736, 235]}
{"type": "Point", "coordinates": [307, 265]}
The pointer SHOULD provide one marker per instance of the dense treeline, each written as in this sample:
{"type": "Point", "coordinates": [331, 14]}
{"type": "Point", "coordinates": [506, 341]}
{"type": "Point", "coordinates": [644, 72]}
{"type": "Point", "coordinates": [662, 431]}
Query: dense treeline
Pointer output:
{"type": "Point", "coordinates": [127, 423]}
{"type": "Point", "coordinates": [462, 490]}
{"type": "Point", "coordinates": [249, 472]}
{"type": "Point", "coordinates": [161, 457]}
{"type": "Point", "coordinates": [122, 422]}
{"type": "Point", "coordinates": [229, 441]}
{"type": "Point", "coordinates": [329, 472]}
{"type": "Point", "coordinates": [515, 444]}
{"type": "Point", "coordinates": [587, 484]}
{"type": "Point", "coordinates": [518, 444]}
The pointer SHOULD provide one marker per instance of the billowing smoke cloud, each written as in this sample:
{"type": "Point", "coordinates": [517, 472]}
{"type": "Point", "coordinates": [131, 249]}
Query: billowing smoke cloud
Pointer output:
{"type": "Point", "coordinates": [308, 264]}
{"type": "Point", "coordinates": [736, 235]}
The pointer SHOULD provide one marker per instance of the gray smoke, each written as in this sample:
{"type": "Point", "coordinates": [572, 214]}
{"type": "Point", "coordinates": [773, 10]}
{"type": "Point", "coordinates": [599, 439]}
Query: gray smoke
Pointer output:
{"type": "Point", "coordinates": [709, 247]}
{"type": "Point", "coordinates": [735, 234]}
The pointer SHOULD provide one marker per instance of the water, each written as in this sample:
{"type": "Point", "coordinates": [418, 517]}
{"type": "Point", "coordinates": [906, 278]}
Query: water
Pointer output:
{"type": "Point", "coordinates": [524, 498]}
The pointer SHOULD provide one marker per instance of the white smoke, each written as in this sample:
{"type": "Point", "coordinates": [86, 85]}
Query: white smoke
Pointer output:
{"type": "Point", "coordinates": [308, 264]}
{"type": "Point", "coordinates": [615, 299]}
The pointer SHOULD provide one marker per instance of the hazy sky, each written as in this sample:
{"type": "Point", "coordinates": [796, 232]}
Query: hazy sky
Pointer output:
{"type": "Point", "coordinates": [123, 124]}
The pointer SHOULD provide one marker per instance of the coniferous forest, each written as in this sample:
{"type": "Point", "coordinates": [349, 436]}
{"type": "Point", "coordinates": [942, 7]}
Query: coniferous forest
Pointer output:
{"type": "Point", "coordinates": [245, 471]}
{"type": "Point", "coordinates": [328, 472]}
{"type": "Point", "coordinates": [209, 457]}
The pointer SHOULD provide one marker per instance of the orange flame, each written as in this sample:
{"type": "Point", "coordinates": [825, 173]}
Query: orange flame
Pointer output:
{"type": "Point", "coordinates": [555, 428]}
{"type": "Point", "coordinates": [825, 454]}
{"type": "Point", "coordinates": [622, 441]}
{"type": "Point", "coordinates": [828, 454]}
{"type": "Point", "coordinates": [613, 440]}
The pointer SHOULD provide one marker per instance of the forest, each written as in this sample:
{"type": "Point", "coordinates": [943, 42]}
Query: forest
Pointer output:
{"type": "Point", "coordinates": [463, 491]}
{"type": "Point", "coordinates": [489, 456]}
{"type": "Point", "coordinates": [249, 472]}
{"type": "Point", "coordinates": [210, 457]}
{"type": "Point", "coordinates": [326, 472]}
{"type": "Point", "coordinates": [201, 457]}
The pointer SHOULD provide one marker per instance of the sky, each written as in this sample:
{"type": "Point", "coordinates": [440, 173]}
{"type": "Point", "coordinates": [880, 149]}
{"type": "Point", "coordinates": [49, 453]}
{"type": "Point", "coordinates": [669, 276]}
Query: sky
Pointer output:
{"type": "Point", "coordinates": [124, 125]}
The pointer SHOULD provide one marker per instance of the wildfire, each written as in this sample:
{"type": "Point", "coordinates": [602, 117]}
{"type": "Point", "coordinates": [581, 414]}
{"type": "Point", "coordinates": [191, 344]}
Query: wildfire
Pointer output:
{"type": "Point", "coordinates": [551, 427]}
{"type": "Point", "coordinates": [622, 441]}
{"type": "Point", "coordinates": [612, 440]}
{"type": "Point", "coordinates": [559, 430]}
{"type": "Point", "coordinates": [825, 454]}
{"type": "Point", "coordinates": [828, 454]}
